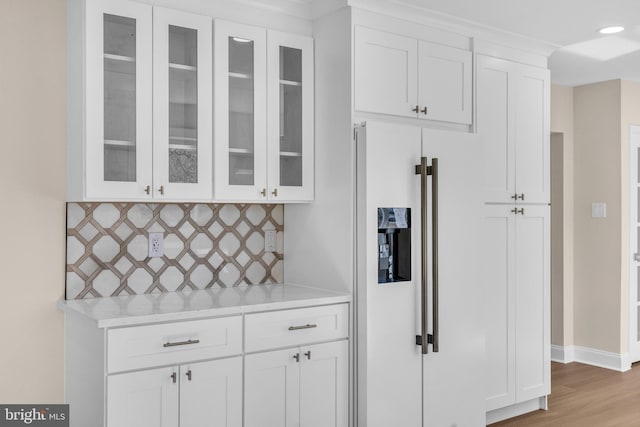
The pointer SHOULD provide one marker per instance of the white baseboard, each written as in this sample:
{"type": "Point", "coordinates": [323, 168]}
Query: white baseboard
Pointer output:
{"type": "Point", "coordinates": [590, 356]}
{"type": "Point", "coordinates": [516, 410]}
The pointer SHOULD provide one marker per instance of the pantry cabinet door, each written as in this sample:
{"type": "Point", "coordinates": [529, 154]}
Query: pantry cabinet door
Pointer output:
{"type": "Point", "coordinates": [290, 116]}
{"type": "Point", "coordinates": [240, 134]}
{"type": "Point", "coordinates": [211, 393]}
{"type": "Point", "coordinates": [118, 106]}
{"type": "Point", "coordinates": [143, 399]}
{"type": "Point", "coordinates": [444, 83]}
{"type": "Point", "coordinates": [498, 275]}
{"type": "Point", "coordinates": [182, 113]}
{"type": "Point", "coordinates": [532, 134]}
{"type": "Point", "coordinates": [532, 308]}
{"type": "Point", "coordinates": [385, 74]}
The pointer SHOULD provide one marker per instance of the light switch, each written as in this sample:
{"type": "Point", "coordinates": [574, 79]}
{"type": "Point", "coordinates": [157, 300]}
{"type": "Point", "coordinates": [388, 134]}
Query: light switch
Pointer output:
{"type": "Point", "coordinates": [598, 210]}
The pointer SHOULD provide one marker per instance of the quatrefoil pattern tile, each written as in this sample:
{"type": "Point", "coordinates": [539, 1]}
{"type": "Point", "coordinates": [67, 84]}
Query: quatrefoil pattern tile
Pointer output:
{"type": "Point", "coordinates": [205, 246]}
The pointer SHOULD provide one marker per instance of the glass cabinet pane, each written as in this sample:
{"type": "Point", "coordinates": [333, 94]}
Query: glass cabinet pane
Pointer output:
{"type": "Point", "coordinates": [290, 117]}
{"type": "Point", "coordinates": [241, 111]}
{"type": "Point", "coordinates": [119, 98]}
{"type": "Point", "coordinates": [183, 105]}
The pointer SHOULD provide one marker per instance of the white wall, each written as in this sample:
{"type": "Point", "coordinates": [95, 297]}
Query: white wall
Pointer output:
{"type": "Point", "coordinates": [32, 189]}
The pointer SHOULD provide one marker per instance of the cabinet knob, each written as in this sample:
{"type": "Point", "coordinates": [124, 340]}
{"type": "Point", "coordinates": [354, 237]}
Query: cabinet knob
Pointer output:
{"type": "Point", "coordinates": [308, 354]}
{"type": "Point", "coordinates": [161, 190]}
{"type": "Point", "coordinates": [174, 377]}
{"type": "Point", "coordinates": [275, 192]}
{"type": "Point", "coordinates": [416, 110]}
{"type": "Point", "coordinates": [297, 357]}
{"type": "Point", "coordinates": [424, 110]}
{"type": "Point", "coordinates": [188, 374]}
{"type": "Point", "coordinates": [147, 189]}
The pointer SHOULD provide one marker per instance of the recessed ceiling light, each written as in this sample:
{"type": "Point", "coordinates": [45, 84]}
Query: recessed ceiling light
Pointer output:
{"type": "Point", "coordinates": [611, 30]}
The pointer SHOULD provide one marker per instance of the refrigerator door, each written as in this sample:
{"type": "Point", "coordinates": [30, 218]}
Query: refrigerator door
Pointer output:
{"type": "Point", "coordinates": [453, 391]}
{"type": "Point", "coordinates": [389, 363]}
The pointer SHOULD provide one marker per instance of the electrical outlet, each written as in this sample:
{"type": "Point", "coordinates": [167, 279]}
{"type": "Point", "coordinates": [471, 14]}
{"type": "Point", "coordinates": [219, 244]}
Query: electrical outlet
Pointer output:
{"type": "Point", "coordinates": [156, 245]}
{"type": "Point", "coordinates": [270, 242]}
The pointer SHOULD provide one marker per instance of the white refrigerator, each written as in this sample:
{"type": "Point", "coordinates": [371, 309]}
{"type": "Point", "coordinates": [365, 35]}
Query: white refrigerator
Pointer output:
{"type": "Point", "coordinates": [420, 336]}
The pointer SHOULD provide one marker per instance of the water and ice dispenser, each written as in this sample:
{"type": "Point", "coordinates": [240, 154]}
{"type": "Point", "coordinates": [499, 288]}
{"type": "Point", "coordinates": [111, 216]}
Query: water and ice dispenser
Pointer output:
{"type": "Point", "coordinates": [394, 245]}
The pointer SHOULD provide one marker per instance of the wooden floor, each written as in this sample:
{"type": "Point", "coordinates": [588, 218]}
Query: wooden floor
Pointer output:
{"type": "Point", "coordinates": [586, 396]}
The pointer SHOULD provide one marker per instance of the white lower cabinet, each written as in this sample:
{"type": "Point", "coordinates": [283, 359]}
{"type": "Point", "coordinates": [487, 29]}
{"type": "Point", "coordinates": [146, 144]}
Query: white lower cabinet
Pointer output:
{"type": "Point", "coordinates": [291, 371]}
{"type": "Point", "coordinates": [191, 395]}
{"type": "Point", "coordinates": [301, 386]}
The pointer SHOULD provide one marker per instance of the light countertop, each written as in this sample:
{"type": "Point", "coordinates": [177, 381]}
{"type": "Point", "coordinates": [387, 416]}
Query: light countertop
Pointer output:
{"type": "Point", "coordinates": [172, 306]}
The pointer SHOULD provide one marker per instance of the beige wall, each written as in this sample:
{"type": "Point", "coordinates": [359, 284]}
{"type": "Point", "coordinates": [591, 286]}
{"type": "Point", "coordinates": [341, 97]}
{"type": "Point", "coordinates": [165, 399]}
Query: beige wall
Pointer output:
{"type": "Point", "coordinates": [562, 121]}
{"type": "Point", "coordinates": [32, 189]}
{"type": "Point", "coordinates": [597, 267]}
{"type": "Point", "coordinates": [630, 115]}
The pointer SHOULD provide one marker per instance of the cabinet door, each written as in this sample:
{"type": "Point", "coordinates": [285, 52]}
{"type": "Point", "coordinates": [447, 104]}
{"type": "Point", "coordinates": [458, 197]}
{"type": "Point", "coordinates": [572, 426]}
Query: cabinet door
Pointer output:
{"type": "Point", "coordinates": [444, 83]}
{"type": "Point", "coordinates": [118, 139]}
{"type": "Point", "coordinates": [211, 394]}
{"type": "Point", "coordinates": [182, 105]}
{"type": "Point", "coordinates": [494, 124]}
{"type": "Point", "coordinates": [324, 385]}
{"type": "Point", "coordinates": [240, 86]}
{"type": "Point", "coordinates": [143, 399]}
{"type": "Point", "coordinates": [290, 116]}
{"type": "Point", "coordinates": [499, 305]}
{"type": "Point", "coordinates": [532, 133]}
{"type": "Point", "coordinates": [532, 308]}
{"type": "Point", "coordinates": [385, 74]}
{"type": "Point", "coordinates": [272, 389]}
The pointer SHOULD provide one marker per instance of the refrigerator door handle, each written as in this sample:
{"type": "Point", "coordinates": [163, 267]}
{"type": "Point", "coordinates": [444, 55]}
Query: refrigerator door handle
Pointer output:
{"type": "Point", "coordinates": [424, 171]}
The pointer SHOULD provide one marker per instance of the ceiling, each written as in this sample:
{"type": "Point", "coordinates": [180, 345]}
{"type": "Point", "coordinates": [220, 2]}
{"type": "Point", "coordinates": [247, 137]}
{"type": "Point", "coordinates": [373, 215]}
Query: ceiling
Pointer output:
{"type": "Point", "coordinates": [583, 55]}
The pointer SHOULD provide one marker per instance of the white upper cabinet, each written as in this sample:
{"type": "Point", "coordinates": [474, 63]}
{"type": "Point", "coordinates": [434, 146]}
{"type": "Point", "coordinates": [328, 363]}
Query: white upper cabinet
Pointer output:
{"type": "Point", "coordinates": [117, 139]}
{"type": "Point", "coordinates": [404, 76]}
{"type": "Point", "coordinates": [139, 104]}
{"type": "Point", "coordinates": [513, 119]}
{"type": "Point", "coordinates": [240, 84]}
{"type": "Point", "coordinates": [263, 113]}
{"type": "Point", "coordinates": [182, 105]}
{"type": "Point", "coordinates": [290, 116]}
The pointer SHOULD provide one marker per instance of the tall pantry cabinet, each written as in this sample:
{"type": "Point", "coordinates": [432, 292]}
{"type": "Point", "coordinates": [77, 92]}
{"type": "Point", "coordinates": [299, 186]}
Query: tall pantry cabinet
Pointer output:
{"type": "Point", "coordinates": [513, 121]}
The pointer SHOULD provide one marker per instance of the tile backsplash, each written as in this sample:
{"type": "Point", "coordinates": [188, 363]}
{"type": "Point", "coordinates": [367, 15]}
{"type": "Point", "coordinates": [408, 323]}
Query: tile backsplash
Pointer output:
{"type": "Point", "coordinates": [205, 246]}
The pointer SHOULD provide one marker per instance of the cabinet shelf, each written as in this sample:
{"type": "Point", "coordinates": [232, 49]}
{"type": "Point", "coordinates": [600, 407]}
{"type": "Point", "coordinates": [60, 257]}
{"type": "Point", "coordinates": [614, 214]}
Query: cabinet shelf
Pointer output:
{"type": "Point", "coordinates": [119, 143]}
{"type": "Point", "coordinates": [121, 58]}
{"type": "Point", "coordinates": [119, 64]}
{"type": "Point", "coordinates": [242, 76]}
{"type": "Point", "coordinates": [182, 67]}
{"type": "Point", "coordinates": [290, 154]}
{"type": "Point", "coordinates": [240, 151]}
{"type": "Point", "coordinates": [290, 83]}
{"type": "Point", "coordinates": [187, 147]}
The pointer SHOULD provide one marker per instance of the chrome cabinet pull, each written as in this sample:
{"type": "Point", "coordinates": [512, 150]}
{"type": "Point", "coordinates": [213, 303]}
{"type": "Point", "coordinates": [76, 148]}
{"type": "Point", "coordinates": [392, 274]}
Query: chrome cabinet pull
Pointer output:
{"type": "Point", "coordinates": [176, 344]}
{"type": "Point", "coordinates": [188, 374]}
{"type": "Point", "coordinates": [515, 196]}
{"type": "Point", "coordinates": [264, 192]}
{"type": "Point", "coordinates": [147, 189]}
{"type": "Point", "coordinates": [521, 197]}
{"type": "Point", "coordinates": [275, 192]}
{"type": "Point", "coordinates": [174, 377]}
{"type": "Point", "coordinates": [161, 190]}
{"type": "Point", "coordinates": [416, 110]}
{"type": "Point", "coordinates": [297, 357]}
{"type": "Point", "coordinates": [308, 354]}
{"type": "Point", "coordinates": [307, 326]}
{"type": "Point", "coordinates": [517, 211]}
{"type": "Point", "coordinates": [424, 110]}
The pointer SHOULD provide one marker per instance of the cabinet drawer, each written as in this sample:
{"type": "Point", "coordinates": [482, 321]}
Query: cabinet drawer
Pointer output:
{"type": "Point", "coordinates": [169, 343]}
{"type": "Point", "coordinates": [295, 327]}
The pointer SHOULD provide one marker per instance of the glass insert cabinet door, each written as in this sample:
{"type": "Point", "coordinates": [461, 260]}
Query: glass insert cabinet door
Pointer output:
{"type": "Point", "coordinates": [290, 91]}
{"type": "Point", "coordinates": [182, 109]}
{"type": "Point", "coordinates": [240, 161]}
{"type": "Point", "coordinates": [118, 105]}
